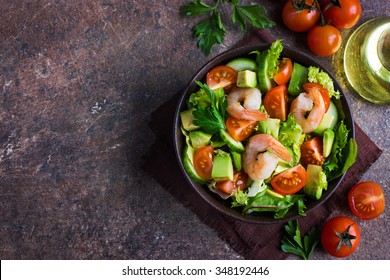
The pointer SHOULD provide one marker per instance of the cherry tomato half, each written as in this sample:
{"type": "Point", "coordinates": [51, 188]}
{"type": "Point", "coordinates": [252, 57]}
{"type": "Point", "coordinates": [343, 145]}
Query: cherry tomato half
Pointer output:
{"type": "Point", "coordinates": [300, 21]}
{"type": "Point", "coordinates": [340, 236]}
{"type": "Point", "coordinates": [285, 71]}
{"type": "Point", "coordinates": [240, 180]}
{"type": "Point", "coordinates": [203, 161]}
{"type": "Point", "coordinates": [324, 40]}
{"type": "Point", "coordinates": [366, 200]}
{"type": "Point", "coordinates": [290, 181]}
{"type": "Point", "coordinates": [275, 102]}
{"type": "Point", "coordinates": [221, 76]}
{"type": "Point", "coordinates": [240, 129]}
{"type": "Point", "coordinates": [345, 16]}
{"type": "Point", "coordinates": [312, 151]}
{"type": "Point", "coordinates": [324, 93]}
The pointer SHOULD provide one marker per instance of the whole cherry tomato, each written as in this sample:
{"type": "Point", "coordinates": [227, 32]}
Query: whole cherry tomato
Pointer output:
{"type": "Point", "coordinates": [300, 20]}
{"type": "Point", "coordinates": [345, 16]}
{"type": "Point", "coordinates": [340, 236]}
{"type": "Point", "coordinates": [324, 40]}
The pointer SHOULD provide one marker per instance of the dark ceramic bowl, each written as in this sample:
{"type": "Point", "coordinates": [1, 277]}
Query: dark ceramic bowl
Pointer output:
{"type": "Point", "coordinates": [213, 199]}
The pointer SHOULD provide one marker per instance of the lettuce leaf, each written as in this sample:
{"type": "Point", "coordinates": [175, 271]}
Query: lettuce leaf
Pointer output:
{"type": "Point", "coordinates": [343, 154]}
{"type": "Point", "coordinates": [280, 205]}
{"type": "Point", "coordinates": [320, 77]}
{"type": "Point", "coordinates": [290, 131]}
{"type": "Point", "coordinates": [273, 55]}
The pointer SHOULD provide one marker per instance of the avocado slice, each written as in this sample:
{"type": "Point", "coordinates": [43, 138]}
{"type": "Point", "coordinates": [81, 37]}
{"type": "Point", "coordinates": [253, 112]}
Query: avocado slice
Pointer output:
{"type": "Point", "coordinates": [187, 120]}
{"type": "Point", "coordinates": [270, 126]}
{"type": "Point", "coordinates": [222, 168]}
{"type": "Point", "coordinates": [328, 140]}
{"type": "Point", "coordinates": [247, 78]}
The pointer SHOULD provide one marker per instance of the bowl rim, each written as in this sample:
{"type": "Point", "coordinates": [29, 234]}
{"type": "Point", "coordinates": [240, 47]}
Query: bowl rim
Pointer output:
{"type": "Point", "coordinates": [213, 199]}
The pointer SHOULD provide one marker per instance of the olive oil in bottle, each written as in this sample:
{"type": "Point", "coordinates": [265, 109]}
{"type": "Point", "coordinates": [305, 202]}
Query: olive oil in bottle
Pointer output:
{"type": "Point", "coordinates": [367, 60]}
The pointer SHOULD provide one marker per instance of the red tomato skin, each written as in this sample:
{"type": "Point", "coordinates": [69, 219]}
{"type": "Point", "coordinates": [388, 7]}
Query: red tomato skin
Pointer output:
{"type": "Point", "coordinates": [239, 182]}
{"type": "Point", "coordinates": [203, 161]}
{"type": "Point", "coordinates": [371, 193]}
{"type": "Point", "coordinates": [312, 151]}
{"type": "Point", "coordinates": [330, 240]}
{"type": "Point", "coordinates": [297, 175]}
{"type": "Point", "coordinates": [285, 71]}
{"type": "Point", "coordinates": [240, 129]}
{"type": "Point", "coordinates": [276, 102]}
{"type": "Point", "coordinates": [345, 17]}
{"type": "Point", "coordinates": [299, 21]}
{"type": "Point", "coordinates": [221, 76]}
{"type": "Point", "coordinates": [324, 40]}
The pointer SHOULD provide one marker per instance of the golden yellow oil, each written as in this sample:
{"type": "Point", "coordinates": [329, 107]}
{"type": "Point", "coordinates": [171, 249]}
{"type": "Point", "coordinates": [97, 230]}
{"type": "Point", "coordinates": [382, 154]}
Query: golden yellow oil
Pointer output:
{"type": "Point", "coordinates": [367, 60]}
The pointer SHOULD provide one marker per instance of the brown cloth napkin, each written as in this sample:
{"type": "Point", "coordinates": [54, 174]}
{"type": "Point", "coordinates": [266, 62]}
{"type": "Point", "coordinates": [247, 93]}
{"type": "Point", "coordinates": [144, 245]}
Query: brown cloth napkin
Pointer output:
{"type": "Point", "coordinates": [252, 241]}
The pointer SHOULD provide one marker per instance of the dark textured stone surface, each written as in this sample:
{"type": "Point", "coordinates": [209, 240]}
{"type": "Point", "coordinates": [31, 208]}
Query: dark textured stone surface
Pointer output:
{"type": "Point", "coordinates": [78, 81]}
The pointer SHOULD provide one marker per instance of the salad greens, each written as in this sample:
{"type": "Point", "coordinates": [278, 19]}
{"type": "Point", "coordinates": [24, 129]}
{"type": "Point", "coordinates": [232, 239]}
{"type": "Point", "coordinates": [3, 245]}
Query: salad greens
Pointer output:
{"type": "Point", "coordinates": [208, 126]}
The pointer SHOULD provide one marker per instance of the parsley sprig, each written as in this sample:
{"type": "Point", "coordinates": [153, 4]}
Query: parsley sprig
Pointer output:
{"type": "Point", "coordinates": [292, 241]}
{"type": "Point", "coordinates": [211, 30]}
{"type": "Point", "coordinates": [211, 119]}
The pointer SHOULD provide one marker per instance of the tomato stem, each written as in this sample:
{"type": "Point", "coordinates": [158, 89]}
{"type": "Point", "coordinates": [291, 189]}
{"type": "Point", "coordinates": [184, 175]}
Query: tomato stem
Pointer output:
{"type": "Point", "coordinates": [345, 238]}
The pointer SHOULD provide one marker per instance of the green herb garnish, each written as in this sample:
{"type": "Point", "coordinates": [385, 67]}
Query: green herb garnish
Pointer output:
{"type": "Point", "coordinates": [292, 242]}
{"type": "Point", "coordinates": [211, 30]}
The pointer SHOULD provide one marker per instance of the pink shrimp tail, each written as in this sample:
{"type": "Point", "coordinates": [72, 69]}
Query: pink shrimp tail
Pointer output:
{"type": "Point", "coordinates": [254, 115]}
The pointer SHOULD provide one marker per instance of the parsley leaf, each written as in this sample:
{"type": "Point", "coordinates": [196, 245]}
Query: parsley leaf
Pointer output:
{"type": "Point", "coordinates": [196, 8]}
{"type": "Point", "coordinates": [256, 14]}
{"type": "Point", "coordinates": [211, 119]}
{"type": "Point", "coordinates": [211, 30]}
{"type": "Point", "coordinates": [292, 241]}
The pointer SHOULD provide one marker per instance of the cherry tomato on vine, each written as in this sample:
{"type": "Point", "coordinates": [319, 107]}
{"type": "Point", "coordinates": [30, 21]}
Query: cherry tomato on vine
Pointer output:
{"type": "Point", "coordinates": [221, 76]}
{"type": "Point", "coordinates": [324, 40]}
{"type": "Point", "coordinates": [340, 236]}
{"type": "Point", "coordinates": [285, 71]}
{"type": "Point", "coordinates": [290, 181]}
{"type": "Point", "coordinates": [366, 200]}
{"type": "Point", "coordinates": [300, 20]}
{"type": "Point", "coordinates": [203, 161]}
{"type": "Point", "coordinates": [345, 16]}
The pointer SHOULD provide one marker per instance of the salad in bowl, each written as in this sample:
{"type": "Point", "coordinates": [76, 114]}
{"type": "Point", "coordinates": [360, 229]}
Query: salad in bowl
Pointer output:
{"type": "Point", "coordinates": [264, 133]}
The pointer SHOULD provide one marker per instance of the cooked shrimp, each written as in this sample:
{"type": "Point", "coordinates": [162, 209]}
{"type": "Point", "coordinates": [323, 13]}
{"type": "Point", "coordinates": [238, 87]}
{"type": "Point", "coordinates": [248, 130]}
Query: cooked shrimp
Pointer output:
{"type": "Point", "coordinates": [251, 98]}
{"type": "Point", "coordinates": [311, 103]}
{"type": "Point", "coordinates": [261, 156]}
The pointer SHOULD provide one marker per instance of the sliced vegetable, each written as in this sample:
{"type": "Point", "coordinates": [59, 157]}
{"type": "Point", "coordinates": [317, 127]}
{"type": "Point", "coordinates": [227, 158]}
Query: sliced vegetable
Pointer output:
{"type": "Point", "coordinates": [231, 143]}
{"type": "Point", "coordinates": [366, 200]}
{"type": "Point", "coordinates": [203, 162]}
{"type": "Point", "coordinates": [270, 126]}
{"type": "Point", "coordinates": [187, 120]}
{"type": "Point", "coordinates": [290, 181]}
{"type": "Point", "coordinates": [199, 138]}
{"type": "Point", "coordinates": [242, 63]}
{"type": "Point", "coordinates": [239, 181]}
{"type": "Point", "coordinates": [222, 169]}
{"type": "Point", "coordinates": [188, 159]}
{"type": "Point", "coordinates": [240, 129]}
{"type": "Point", "coordinates": [312, 151]}
{"type": "Point", "coordinates": [316, 182]}
{"type": "Point", "coordinates": [284, 73]}
{"type": "Point", "coordinates": [328, 140]}
{"type": "Point", "coordinates": [298, 78]}
{"type": "Point", "coordinates": [275, 102]}
{"type": "Point", "coordinates": [247, 78]}
{"type": "Point", "coordinates": [221, 77]}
